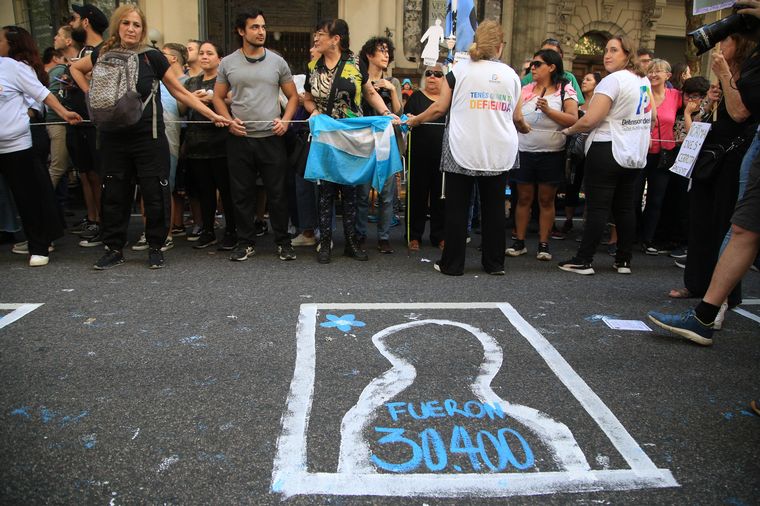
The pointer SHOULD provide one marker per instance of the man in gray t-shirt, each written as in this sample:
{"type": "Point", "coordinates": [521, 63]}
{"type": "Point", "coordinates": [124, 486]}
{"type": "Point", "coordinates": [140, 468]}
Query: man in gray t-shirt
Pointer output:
{"type": "Point", "coordinates": [255, 145]}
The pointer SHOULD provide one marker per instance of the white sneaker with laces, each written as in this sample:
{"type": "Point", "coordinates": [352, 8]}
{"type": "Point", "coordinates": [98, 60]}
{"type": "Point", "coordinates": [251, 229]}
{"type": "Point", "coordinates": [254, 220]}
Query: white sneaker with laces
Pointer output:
{"type": "Point", "coordinates": [38, 260]}
{"type": "Point", "coordinates": [302, 240]}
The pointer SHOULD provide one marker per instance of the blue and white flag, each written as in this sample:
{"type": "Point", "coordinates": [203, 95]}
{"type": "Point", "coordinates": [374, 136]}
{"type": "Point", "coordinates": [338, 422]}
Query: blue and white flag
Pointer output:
{"type": "Point", "coordinates": [462, 21]}
{"type": "Point", "coordinates": [352, 151]}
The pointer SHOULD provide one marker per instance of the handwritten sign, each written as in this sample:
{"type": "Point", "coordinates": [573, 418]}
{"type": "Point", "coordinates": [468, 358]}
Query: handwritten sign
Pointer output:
{"type": "Point", "coordinates": [690, 148]}
{"type": "Point", "coordinates": [399, 424]}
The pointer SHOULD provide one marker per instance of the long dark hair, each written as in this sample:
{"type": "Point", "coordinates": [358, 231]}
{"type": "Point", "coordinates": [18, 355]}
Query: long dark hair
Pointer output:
{"type": "Point", "coordinates": [335, 27]}
{"type": "Point", "coordinates": [23, 48]}
{"type": "Point", "coordinates": [552, 57]}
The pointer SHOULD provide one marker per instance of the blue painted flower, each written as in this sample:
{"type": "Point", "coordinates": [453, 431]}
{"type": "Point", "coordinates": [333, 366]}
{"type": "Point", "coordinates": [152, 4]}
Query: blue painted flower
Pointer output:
{"type": "Point", "coordinates": [343, 323]}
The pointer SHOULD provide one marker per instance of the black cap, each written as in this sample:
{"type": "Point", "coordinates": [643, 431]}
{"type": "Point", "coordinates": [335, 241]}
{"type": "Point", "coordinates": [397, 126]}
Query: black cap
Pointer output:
{"type": "Point", "coordinates": [98, 20]}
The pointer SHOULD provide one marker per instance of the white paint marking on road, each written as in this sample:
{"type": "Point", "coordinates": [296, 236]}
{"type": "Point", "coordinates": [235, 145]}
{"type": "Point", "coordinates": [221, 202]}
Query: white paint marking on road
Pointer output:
{"type": "Point", "coordinates": [18, 311]}
{"type": "Point", "coordinates": [610, 425]}
{"type": "Point", "coordinates": [354, 449]}
{"type": "Point", "coordinates": [290, 475]}
{"type": "Point", "coordinates": [167, 462]}
{"type": "Point", "coordinates": [136, 433]}
{"type": "Point", "coordinates": [746, 314]}
{"type": "Point", "coordinates": [751, 302]}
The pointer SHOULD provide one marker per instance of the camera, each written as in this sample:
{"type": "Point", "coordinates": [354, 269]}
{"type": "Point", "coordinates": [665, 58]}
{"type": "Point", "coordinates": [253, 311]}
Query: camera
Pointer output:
{"type": "Point", "coordinates": [705, 37]}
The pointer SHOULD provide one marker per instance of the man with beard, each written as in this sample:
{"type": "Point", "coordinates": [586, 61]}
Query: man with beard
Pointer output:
{"type": "Point", "coordinates": [87, 26]}
{"type": "Point", "coordinates": [256, 144]}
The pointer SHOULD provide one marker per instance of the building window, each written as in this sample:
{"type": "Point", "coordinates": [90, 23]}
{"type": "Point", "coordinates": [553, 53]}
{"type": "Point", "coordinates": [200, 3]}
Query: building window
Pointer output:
{"type": "Point", "coordinates": [591, 44]}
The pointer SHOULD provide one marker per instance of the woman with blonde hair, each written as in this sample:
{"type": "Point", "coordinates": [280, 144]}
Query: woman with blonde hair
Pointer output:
{"type": "Point", "coordinates": [619, 119]}
{"type": "Point", "coordinates": [479, 147]}
{"type": "Point", "coordinates": [137, 152]}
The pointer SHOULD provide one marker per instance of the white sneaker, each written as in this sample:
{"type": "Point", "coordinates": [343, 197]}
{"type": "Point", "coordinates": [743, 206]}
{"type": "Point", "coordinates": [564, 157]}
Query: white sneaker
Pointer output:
{"type": "Point", "coordinates": [38, 260]}
{"type": "Point", "coordinates": [718, 323]}
{"type": "Point", "coordinates": [22, 248]}
{"type": "Point", "coordinates": [141, 244]}
{"type": "Point", "coordinates": [302, 240]}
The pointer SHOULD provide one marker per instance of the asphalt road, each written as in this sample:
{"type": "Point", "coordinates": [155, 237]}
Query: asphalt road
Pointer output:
{"type": "Point", "coordinates": [174, 386]}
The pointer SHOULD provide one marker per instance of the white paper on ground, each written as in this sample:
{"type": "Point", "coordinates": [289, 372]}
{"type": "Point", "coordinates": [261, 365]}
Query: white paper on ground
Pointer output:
{"type": "Point", "coordinates": [626, 324]}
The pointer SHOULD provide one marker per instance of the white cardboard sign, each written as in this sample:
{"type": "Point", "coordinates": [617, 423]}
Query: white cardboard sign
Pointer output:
{"type": "Point", "coordinates": [690, 148]}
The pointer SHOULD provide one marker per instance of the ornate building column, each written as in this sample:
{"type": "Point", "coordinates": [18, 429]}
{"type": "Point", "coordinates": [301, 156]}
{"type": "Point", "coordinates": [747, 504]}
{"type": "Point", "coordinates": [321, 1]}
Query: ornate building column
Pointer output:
{"type": "Point", "coordinates": [650, 15]}
{"type": "Point", "coordinates": [412, 29]}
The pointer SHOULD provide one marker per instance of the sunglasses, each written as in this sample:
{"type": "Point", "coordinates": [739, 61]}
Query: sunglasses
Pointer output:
{"type": "Point", "coordinates": [536, 63]}
{"type": "Point", "coordinates": [434, 73]}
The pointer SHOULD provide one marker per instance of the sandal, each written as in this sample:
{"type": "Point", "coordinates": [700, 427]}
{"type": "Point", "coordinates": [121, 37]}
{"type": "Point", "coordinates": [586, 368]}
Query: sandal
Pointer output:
{"type": "Point", "coordinates": [680, 293]}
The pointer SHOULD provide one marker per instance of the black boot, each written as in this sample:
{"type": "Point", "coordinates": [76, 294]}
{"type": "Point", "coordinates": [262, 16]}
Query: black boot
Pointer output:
{"type": "Point", "coordinates": [323, 255]}
{"type": "Point", "coordinates": [353, 250]}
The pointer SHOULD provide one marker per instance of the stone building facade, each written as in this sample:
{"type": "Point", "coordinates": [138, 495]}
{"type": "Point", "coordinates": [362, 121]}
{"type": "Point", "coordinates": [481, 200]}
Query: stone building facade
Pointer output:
{"type": "Point", "coordinates": [582, 25]}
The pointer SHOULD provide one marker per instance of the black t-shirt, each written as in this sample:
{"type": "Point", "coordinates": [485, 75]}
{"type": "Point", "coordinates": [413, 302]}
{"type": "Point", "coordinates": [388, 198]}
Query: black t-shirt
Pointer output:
{"type": "Point", "coordinates": [426, 139]}
{"type": "Point", "coordinates": [152, 66]}
{"type": "Point", "coordinates": [72, 97]}
{"type": "Point", "coordinates": [203, 140]}
{"type": "Point", "coordinates": [749, 84]}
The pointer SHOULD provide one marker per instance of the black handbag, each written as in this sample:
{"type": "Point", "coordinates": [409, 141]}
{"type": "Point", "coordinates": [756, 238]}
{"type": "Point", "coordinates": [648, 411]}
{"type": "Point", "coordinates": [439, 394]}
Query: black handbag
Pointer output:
{"type": "Point", "coordinates": [708, 162]}
{"type": "Point", "coordinates": [667, 158]}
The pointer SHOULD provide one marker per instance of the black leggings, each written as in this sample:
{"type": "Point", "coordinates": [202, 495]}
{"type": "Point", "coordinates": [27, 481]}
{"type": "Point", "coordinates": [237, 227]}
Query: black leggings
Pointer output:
{"type": "Point", "coordinates": [609, 187]}
{"type": "Point", "coordinates": [32, 190]}
{"type": "Point", "coordinates": [211, 174]}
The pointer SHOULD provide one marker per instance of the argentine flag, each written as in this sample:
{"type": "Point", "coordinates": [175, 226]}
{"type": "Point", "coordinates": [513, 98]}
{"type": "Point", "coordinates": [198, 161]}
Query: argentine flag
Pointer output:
{"type": "Point", "coordinates": [352, 151]}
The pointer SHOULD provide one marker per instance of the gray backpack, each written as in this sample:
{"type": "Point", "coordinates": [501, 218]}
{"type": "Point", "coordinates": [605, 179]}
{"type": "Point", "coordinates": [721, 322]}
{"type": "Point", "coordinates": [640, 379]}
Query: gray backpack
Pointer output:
{"type": "Point", "coordinates": [113, 101]}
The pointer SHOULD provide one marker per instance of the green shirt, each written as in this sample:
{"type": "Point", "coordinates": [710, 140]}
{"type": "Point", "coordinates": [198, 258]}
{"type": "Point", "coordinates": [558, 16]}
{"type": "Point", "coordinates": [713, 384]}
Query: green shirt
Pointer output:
{"type": "Point", "coordinates": [55, 88]}
{"type": "Point", "coordinates": [569, 76]}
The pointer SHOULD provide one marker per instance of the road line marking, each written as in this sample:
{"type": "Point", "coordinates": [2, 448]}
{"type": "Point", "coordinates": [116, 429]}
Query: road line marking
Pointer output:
{"type": "Point", "coordinates": [18, 311]}
{"type": "Point", "coordinates": [746, 314]}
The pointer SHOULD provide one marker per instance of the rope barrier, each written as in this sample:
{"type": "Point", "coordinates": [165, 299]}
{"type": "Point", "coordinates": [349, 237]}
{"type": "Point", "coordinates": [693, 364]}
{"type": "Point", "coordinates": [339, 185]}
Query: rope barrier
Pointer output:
{"type": "Point", "coordinates": [195, 122]}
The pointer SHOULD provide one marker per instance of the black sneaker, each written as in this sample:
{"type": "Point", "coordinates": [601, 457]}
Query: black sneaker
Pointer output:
{"type": "Point", "coordinates": [90, 242]}
{"type": "Point", "coordinates": [622, 267]}
{"type": "Point", "coordinates": [228, 243]}
{"type": "Point", "coordinates": [518, 248]}
{"type": "Point", "coordinates": [678, 253]}
{"type": "Point", "coordinates": [195, 233]}
{"type": "Point", "coordinates": [112, 258]}
{"type": "Point", "coordinates": [91, 229]}
{"type": "Point", "coordinates": [205, 241]}
{"type": "Point", "coordinates": [651, 250]}
{"type": "Point", "coordinates": [242, 252]}
{"type": "Point", "coordinates": [577, 265]}
{"type": "Point", "coordinates": [286, 252]}
{"type": "Point", "coordinates": [80, 227]}
{"type": "Point", "coordinates": [155, 258]}
{"type": "Point", "coordinates": [543, 251]}
{"type": "Point", "coordinates": [178, 231]}
{"type": "Point", "coordinates": [680, 263]}
{"type": "Point", "coordinates": [260, 228]}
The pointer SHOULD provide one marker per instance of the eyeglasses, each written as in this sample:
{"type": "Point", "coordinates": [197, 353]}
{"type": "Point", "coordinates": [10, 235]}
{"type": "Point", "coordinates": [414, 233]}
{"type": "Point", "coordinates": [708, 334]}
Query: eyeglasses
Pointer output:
{"type": "Point", "coordinates": [321, 34]}
{"type": "Point", "coordinates": [536, 63]}
{"type": "Point", "coordinates": [652, 72]}
{"type": "Point", "coordinates": [693, 96]}
{"type": "Point", "coordinates": [434, 73]}
{"type": "Point", "coordinates": [383, 50]}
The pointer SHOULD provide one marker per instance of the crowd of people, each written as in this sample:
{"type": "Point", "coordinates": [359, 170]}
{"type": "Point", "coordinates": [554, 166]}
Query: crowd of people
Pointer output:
{"type": "Point", "coordinates": [477, 128]}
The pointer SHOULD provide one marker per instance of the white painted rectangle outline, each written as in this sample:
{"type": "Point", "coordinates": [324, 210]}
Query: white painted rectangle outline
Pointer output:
{"type": "Point", "coordinates": [18, 311]}
{"type": "Point", "coordinates": [290, 476]}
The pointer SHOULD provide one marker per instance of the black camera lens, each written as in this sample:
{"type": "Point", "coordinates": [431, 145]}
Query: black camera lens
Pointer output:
{"type": "Point", "coordinates": [705, 37]}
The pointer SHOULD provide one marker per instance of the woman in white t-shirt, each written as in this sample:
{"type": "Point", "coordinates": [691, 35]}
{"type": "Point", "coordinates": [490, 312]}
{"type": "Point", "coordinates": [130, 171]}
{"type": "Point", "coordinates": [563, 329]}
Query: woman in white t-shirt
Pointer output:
{"type": "Point", "coordinates": [479, 146]}
{"type": "Point", "coordinates": [28, 181]}
{"type": "Point", "coordinates": [549, 104]}
{"type": "Point", "coordinates": [619, 119]}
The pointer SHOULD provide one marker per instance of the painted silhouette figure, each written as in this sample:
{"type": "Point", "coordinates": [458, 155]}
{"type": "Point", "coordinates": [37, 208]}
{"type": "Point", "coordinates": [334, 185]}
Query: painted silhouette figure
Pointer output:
{"type": "Point", "coordinates": [434, 37]}
{"type": "Point", "coordinates": [355, 451]}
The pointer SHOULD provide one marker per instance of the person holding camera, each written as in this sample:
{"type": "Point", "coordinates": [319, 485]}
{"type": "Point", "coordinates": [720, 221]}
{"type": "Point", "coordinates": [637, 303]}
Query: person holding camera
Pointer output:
{"type": "Point", "coordinates": [698, 324]}
{"type": "Point", "coordinates": [712, 196]}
